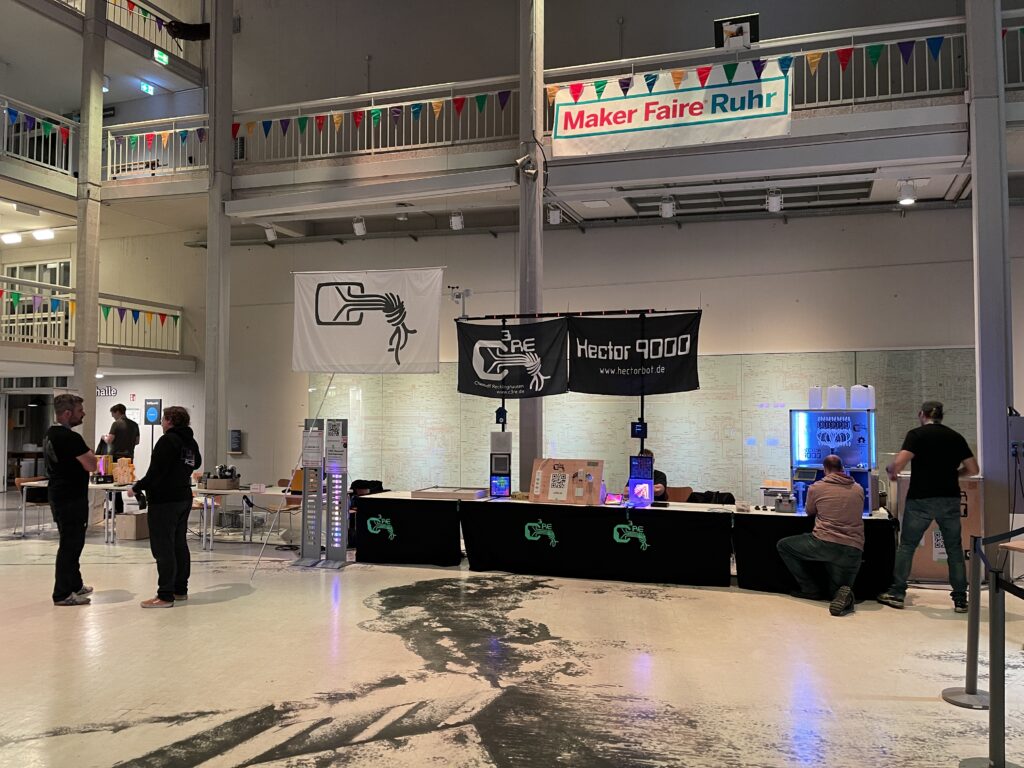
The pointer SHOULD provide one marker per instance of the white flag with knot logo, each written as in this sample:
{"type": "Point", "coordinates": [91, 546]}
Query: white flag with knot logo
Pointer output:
{"type": "Point", "coordinates": [367, 322]}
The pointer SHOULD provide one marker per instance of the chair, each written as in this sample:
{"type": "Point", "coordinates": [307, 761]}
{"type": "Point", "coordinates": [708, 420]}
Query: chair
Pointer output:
{"type": "Point", "coordinates": [32, 497]}
{"type": "Point", "coordinates": [678, 493]}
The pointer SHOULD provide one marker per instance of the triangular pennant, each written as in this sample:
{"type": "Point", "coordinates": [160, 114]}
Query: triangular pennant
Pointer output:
{"type": "Point", "coordinates": [395, 113]}
{"type": "Point", "coordinates": [459, 102]}
{"type": "Point", "coordinates": [15, 297]}
{"type": "Point", "coordinates": [599, 86]}
{"type": "Point", "coordinates": [935, 45]}
{"type": "Point", "coordinates": [119, 141]}
{"type": "Point", "coordinates": [730, 69]}
{"type": "Point", "coordinates": [906, 49]}
{"type": "Point", "coordinates": [150, 140]}
{"type": "Point", "coordinates": [575, 91]}
{"type": "Point", "coordinates": [163, 318]}
{"type": "Point", "coordinates": [625, 83]}
{"type": "Point", "coordinates": [1, 293]}
{"type": "Point", "coordinates": [36, 301]}
{"type": "Point", "coordinates": [677, 77]}
{"type": "Point", "coordinates": [54, 305]}
{"type": "Point", "coordinates": [651, 80]}
{"type": "Point", "coordinates": [234, 130]}
{"type": "Point", "coordinates": [874, 53]}
{"type": "Point", "coordinates": [503, 97]}
{"type": "Point", "coordinates": [65, 133]}
{"type": "Point", "coordinates": [267, 125]}
{"type": "Point", "coordinates": [250, 127]}
{"type": "Point", "coordinates": [813, 59]}
{"type": "Point", "coordinates": [337, 119]}
{"type": "Point", "coordinates": [175, 318]}
{"type": "Point", "coordinates": [71, 305]}
{"type": "Point", "coordinates": [758, 65]}
{"type": "Point", "coordinates": [131, 6]}
{"type": "Point", "coordinates": [201, 134]}
{"type": "Point", "coordinates": [159, 24]}
{"type": "Point", "coordinates": [121, 312]}
{"type": "Point", "coordinates": [30, 122]}
{"type": "Point", "coordinates": [105, 310]}
{"type": "Point", "coordinates": [164, 138]}
{"type": "Point", "coordinates": [375, 116]}
{"type": "Point", "coordinates": [285, 122]}
{"type": "Point", "coordinates": [552, 92]}
{"type": "Point", "coordinates": [133, 141]}
{"type": "Point", "coordinates": [702, 74]}
{"type": "Point", "coordinates": [417, 109]}
{"type": "Point", "coordinates": [135, 316]}
{"type": "Point", "coordinates": [785, 62]}
{"type": "Point", "coordinates": [145, 13]}
{"type": "Point", "coordinates": [357, 118]}
{"type": "Point", "coordinates": [437, 106]}
{"type": "Point", "coordinates": [12, 115]}
{"type": "Point", "coordinates": [481, 101]}
{"type": "Point", "coordinates": [844, 55]}
{"type": "Point", "coordinates": [47, 128]}
{"type": "Point", "coordinates": [149, 318]}
{"type": "Point", "coordinates": [301, 122]}
{"type": "Point", "coordinates": [183, 135]}
{"type": "Point", "coordinates": [319, 120]}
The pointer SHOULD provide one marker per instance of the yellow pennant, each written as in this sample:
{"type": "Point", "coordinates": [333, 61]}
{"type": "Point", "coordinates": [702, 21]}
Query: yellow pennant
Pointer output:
{"type": "Point", "coordinates": [677, 77]}
{"type": "Point", "coordinates": [812, 61]}
{"type": "Point", "coordinates": [437, 107]}
{"type": "Point", "coordinates": [337, 118]}
{"type": "Point", "coordinates": [71, 305]}
{"type": "Point", "coordinates": [164, 136]}
{"type": "Point", "coordinates": [552, 92]}
{"type": "Point", "coordinates": [249, 128]}
{"type": "Point", "coordinates": [149, 317]}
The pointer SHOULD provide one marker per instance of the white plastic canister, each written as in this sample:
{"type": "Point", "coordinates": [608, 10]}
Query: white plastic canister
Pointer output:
{"type": "Point", "coordinates": [836, 397]}
{"type": "Point", "coordinates": [862, 397]}
{"type": "Point", "coordinates": [814, 395]}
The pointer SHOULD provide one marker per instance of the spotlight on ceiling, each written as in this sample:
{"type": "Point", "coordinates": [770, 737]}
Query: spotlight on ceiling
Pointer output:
{"type": "Point", "coordinates": [667, 207]}
{"type": "Point", "coordinates": [99, 375]}
{"type": "Point", "coordinates": [554, 215]}
{"type": "Point", "coordinates": [457, 221]}
{"type": "Point", "coordinates": [106, 83]}
{"type": "Point", "coordinates": [773, 202]}
{"type": "Point", "coordinates": [906, 192]}
{"type": "Point", "coordinates": [42, 234]}
{"type": "Point", "coordinates": [359, 226]}
{"type": "Point", "coordinates": [269, 232]}
{"type": "Point", "coordinates": [10, 238]}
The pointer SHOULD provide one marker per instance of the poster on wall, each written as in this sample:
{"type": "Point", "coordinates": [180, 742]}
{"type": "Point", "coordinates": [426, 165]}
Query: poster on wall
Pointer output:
{"type": "Point", "coordinates": [513, 361]}
{"type": "Point", "coordinates": [367, 322]}
{"type": "Point", "coordinates": [655, 110]}
{"type": "Point", "coordinates": [649, 355]}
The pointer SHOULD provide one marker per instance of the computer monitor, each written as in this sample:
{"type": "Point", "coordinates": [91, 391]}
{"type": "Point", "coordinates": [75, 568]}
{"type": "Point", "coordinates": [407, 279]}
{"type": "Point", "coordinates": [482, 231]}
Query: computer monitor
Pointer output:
{"type": "Point", "coordinates": [641, 467]}
{"type": "Point", "coordinates": [501, 486]}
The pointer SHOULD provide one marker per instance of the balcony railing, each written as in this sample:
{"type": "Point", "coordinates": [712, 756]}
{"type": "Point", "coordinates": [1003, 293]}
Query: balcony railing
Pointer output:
{"type": "Point", "coordinates": [44, 314]}
{"type": "Point", "coordinates": [156, 147]}
{"type": "Point", "coordinates": [37, 136]}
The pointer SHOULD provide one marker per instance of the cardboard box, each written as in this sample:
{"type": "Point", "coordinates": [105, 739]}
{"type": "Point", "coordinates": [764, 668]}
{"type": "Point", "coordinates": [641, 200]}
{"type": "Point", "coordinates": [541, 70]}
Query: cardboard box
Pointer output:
{"type": "Point", "coordinates": [132, 527]}
{"type": "Point", "coordinates": [567, 481]}
{"type": "Point", "coordinates": [216, 484]}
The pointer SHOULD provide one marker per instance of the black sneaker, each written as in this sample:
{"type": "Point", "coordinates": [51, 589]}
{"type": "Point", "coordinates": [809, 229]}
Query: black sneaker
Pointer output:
{"type": "Point", "coordinates": [960, 606]}
{"type": "Point", "coordinates": [887, 598]}
{"type": "Point", "coordinates": [843, 602]}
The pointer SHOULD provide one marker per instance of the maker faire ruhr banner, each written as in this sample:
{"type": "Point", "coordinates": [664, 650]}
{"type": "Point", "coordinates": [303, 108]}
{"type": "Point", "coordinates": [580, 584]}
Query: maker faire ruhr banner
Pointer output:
{"type": "Point", "coordinates": [749, 107]}
{"type": "Point", "coordinates": [649, 355]}
{"type": "Point", "coordinates": [514, 361]}
{"type": "Point", "coordinates": [367, 322]}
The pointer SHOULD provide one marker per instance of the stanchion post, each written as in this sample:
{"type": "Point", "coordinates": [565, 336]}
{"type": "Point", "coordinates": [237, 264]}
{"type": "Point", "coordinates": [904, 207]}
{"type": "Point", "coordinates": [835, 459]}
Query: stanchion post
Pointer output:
{"type": "Point", "coordinates": [969, 696]}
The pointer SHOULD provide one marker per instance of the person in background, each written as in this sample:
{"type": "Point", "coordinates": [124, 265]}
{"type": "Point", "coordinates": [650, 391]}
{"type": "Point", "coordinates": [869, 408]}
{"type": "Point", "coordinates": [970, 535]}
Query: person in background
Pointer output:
{"type": "Point", "coordinates": [836, 503]}
{"type": "Point", "coordinates": [941, 456]}
{"type": "Point", "coordinates": [167, 487]}
{"type": "Point", "coordinates": [121, 442]}
{"type": "Point", "coordinates": [68, 464]}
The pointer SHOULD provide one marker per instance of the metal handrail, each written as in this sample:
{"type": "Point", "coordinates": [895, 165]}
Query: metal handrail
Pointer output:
{"type": "Point", "coordinates": [39, 111]}
{"type": "Point", "coordinates": [127, 127]}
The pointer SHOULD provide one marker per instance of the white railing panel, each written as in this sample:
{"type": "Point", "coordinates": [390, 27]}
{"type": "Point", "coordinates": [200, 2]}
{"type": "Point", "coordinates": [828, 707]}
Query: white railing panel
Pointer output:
{"type": "Point", "coordinates": [157, 147]}
{"type": "Point", "coordinates": [36, 136]}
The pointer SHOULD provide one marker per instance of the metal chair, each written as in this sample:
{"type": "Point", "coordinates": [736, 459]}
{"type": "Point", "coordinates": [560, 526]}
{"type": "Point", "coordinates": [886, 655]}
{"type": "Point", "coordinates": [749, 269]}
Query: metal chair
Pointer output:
{"type": "Point", "coordinates": [32, 497]}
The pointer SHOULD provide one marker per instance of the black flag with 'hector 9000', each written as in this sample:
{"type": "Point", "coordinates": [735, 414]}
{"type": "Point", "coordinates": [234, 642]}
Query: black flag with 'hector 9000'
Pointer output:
{"type": "Point", "coordinates": [648, 355]}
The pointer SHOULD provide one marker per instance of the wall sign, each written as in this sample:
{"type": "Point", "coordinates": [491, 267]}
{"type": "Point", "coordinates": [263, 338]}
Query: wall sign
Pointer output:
{"type": "Point", "coordinates": [152, 411]}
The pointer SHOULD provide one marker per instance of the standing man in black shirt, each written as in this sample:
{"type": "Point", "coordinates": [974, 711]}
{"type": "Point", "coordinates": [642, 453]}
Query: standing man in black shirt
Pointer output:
{"type": "Point", "coordinates": [122, 439]}
{"type": "Point", "coordinates": [940, 457]}
{"type": "Point", "coordinates": [68, 464]}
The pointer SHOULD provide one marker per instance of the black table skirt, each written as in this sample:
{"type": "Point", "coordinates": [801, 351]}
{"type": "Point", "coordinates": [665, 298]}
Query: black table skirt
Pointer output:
{"type": "Point", "coordinates": [758, 565]}
{"type": "Point", "coordinates": [656, 545]}
{"type": "Point", "coordinates": [426, 531]}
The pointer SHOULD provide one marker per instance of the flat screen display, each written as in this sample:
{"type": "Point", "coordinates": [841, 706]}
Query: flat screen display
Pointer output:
{"type": "Point", "coordinates": [501, 486]}
{"type": "Point", "coordinates": [501, 464]}
{"type": "Point", "coordinates": [641, 467]}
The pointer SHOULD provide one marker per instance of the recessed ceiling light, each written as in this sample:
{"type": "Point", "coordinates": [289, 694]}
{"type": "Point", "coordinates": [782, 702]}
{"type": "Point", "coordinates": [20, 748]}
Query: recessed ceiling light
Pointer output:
{"type": "Point", "coordinates": [106, 83]}
{"type": "Point", "coordinates": [42, 234]}
{"type": "Point", "coordinates": [99, 375]}
{"type": "Point", "coordinates": [11, 238]}
{"type": "Point", "coordinates": [596, 204]}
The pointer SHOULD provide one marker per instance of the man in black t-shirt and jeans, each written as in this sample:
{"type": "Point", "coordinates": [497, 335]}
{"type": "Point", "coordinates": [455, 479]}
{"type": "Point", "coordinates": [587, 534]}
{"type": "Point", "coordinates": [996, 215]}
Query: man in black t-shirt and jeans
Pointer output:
{"type": "Point", "coordinates": [68, 464]}
{"type": "Point", "coordinates": [122, 439]}
{"type": "Point", "coordinates": [940, 457]}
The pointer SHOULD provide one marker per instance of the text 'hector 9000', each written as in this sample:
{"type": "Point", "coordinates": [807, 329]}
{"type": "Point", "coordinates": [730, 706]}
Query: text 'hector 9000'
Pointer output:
{"type": "Point", "coordinates": [648, 349]}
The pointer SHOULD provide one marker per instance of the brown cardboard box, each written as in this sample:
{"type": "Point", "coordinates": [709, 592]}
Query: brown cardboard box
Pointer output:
{"type": "Point", "coordinates": [567, 481]}
{"type": "Point", "coordinates": [132, 527]}
{"type": "Point", "coordinates": [217, 484]}
{"type": "Point", "coordinates": [930, 557]}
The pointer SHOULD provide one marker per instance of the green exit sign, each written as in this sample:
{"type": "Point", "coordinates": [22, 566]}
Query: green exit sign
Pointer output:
{"type": "Point", "coordinates": [161, 57]}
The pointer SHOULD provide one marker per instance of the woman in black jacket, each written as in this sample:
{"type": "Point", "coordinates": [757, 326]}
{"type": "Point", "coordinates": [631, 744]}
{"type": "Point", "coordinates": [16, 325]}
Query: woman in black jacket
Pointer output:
{"type": "Point", "coordinates": [167, 487]}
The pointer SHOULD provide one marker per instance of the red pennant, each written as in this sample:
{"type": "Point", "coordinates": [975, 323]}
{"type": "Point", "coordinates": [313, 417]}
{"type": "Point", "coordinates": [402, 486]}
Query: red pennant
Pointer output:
{"type": "Point", "coordinates": [357, 118]}
{"type": "Point", "coordinates": [576, 90]}
{"type": "Point", "coordinates": [703, 73]}
{"type": "Point", "coordinates": [163, 318]}
{"type": "Point", "coordinates": [320, 120]}
{"type": "Point", "coordinates": [150, 138]}
{"type": "Point", "coordinates": [65, 132]}
{"type": "Point", "coordinates": [131, 6]}
{"type": "Point", "coordinates": [844, 54]}
{"type": "Point", "coordinates": [234, 130]}
{"type": "Point", "coordinates": [459, 102]}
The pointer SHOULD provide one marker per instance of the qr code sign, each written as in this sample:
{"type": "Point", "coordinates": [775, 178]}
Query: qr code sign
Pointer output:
{"type": "Point", "coordinates": [557, 486]}
{"type": "Point", "coordinates": [334, 429]}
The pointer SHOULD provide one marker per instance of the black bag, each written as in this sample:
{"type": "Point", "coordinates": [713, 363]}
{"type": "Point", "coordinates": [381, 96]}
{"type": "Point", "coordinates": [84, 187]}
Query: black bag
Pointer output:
{"type": "Point", "coordinates": [711, 497]}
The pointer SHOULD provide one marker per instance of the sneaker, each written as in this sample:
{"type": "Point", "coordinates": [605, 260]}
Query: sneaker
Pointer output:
{"type": "Point", "coordinates": [84, 591]}
{"type": "Point", "coordinates": [887, 598]}
{"type": "Point", "coordinates": [73, 599]}
{"type": "Point", "coordinates": [180, 597]}
{"type": "Point", "coordinates": [842, 603]}
{"type": "Point", "coordinates": [959, 606]}
{"type": "Point", "coordinates": [156, 602]}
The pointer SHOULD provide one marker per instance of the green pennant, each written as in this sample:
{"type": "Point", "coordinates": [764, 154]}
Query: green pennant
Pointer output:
{"type": "Point", "coordinates": [15, 297]}
{"type": "Point", "coordinates": [375, 116]}
{"type": "Point", "coordinates": [874, 53]}
{"type": "Point", "coordinates": [106, 311]}
{"type": "Point", "coordinates": [599, 86]}
{"type": "Point", "coordinates": [302, 123]}
{"type": "Point", "coordinates": [47, 128]}
{"type": "Point", "coordinates": [145, 13]}
{"type": "Point", "coordinates": [133, 141]}
{"type": "Point", "coordinates": [175, 319]}
{"type": "Point", "coordinates": [730, 70]}
{"type": "Point", "coordinates": [481, 101]}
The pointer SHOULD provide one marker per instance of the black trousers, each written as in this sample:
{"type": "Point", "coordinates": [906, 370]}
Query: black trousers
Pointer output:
{"type": "Point", "coordinates": [72, 518]}
{"type": "Point", "coordinates": [168, 527]}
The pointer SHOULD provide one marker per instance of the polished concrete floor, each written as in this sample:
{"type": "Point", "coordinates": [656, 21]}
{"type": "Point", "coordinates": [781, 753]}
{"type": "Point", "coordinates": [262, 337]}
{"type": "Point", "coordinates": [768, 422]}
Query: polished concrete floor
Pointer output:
{"type": "Point", "coordinates": [402, 666]}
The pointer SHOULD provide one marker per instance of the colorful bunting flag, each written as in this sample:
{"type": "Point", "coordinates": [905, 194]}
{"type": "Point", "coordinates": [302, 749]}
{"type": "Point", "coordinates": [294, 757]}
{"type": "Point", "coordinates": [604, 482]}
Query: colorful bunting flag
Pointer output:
{"type": "Point", "coordinates": [874, 53]}
{"type": "Point", "coordinates": [357, 118]}
{"type": "Point", "coordinates": [320, 120]}
{"type": "Point", "coordinates": [459, 102]}
{"type": "Point", "coordinates": [131, 6]}
{"type": "Point", "coordinates": [395, 113]}
{"type": "Point", "coordinates": [163, 318]}
{"type": "Point", "coordinates": [105, 310]}
{"type": "Point", "coordinates": [375, 117]}
{"type": "Point", "coordinates": [503, 97]}
{"type": "Point", "coordinates": [677, 77]}
{"type": "Point", "coordinates": [301, 122]}
{"type": "Point", "coordinates": [625, 83]}
{"type": "Point", "coordinates": [1, 293]}
{"type": "Point", "coordinates": [844, 55]}
{"type": "Point", "coordinates": [121, 312]}
{"type": "Point", "coordinates": [250, 127]}
{"type": "Point", "coordinates": [906, 50]}
{"type": "Point", "coordinates": [935, 45]}
{"type": "Point", "coordinates": [15, 297]}
{"type": "Point", "coordinates": [338, 118]}
{"type": "Point", "coordinates": [437, 106]}
{"type": "Point", "coordinates": [785, 62]}
{"type": "Point", "coordinates": [54, 305]}
{"type": "Point", "coordinates": [159, 24]}
{"type": "Point", "coordinates": [651, 80]}
{"type": "Point", "coordinates": [183, 135]}
{"type": "Point", "coordinates": [149, 318]}
{"type": "Point", "coordinates": [201, 134]}
{"type": "Point", "coordinates": [135, 316]}
{"type": "Point", "coordinates": [119, 141]}
{"type": "Point", "coordinates": [165, 136]}
{"type": "Point", "coordinates": [234, 130]}
{"type": "Point", "coordinates": [47, 128]}
{"type": "Point", "coordinates": [481, 101]}
{"type": "Point", "coordinates": [417, 109]}
{"type": "Point", "coordinates": [285, 122]}
{"type": "Point", "coordinates": [813, 59]}
{"type": "Point", "coordinates": [12, 115]}
{"type": "Point", "coordinates": [150, 140]}
{"type": "Point", "coordinates": [552, 92]}
{"type": "Point", "coordinates": [575, 91]}
{"type": "Point", "coordinates": [599, 86]}
{"type": "Point", "coordinates": [65, 133]}
{"type": "Point", "coordinates": [730, 69]}
{"type": "Point", "coordinates": [145, 13]}
{"type": "Point", "coordinates": [133, 141]}
{"type": "Point", "coordinates": [267, 125]}
{"type": "Point", "coordinates": [175, 318]}
{"type": "Point", "coordinates": [703, 73]}
{"type": "Point", "coordinates": [758, 65]}
{"type": "Point", "coordinates": [36, 301]}
{"type": "Point", "coordinates": [30, 122]}
{"type": "Point", "coordinates": [71, 305]}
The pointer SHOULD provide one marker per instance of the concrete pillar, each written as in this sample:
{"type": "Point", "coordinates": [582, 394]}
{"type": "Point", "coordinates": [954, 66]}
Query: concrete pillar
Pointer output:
{"type": "Point", "coordinates": [218, 238]}
{"type": "Point", "coordinates": [993, 352]}
{"type": "Point", "coordinates": [531, 212]}
{"type": "Point", "coordinates": [87, 253]}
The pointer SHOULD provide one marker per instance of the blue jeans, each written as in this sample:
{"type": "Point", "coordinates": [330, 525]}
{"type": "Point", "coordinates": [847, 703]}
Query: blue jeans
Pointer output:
{"type": "Point", "coordinates": [841, 563]}
{"type": "Point", "coordinates": [917, 516]}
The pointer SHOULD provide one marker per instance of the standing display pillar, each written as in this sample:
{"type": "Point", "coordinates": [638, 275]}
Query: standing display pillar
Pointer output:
{"type": "Point", "coordinates": [531, 212]}
{"type": "Point", "coordinates": [312, 491]}
{"type": "Point", "coordinates": [336, 468]}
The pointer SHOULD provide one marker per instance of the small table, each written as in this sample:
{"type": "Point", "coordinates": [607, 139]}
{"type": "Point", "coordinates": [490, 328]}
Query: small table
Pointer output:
{"type": "Point", "coordinates": [209, 498]}
{"type": "Point", "coordinates": [109, 489]}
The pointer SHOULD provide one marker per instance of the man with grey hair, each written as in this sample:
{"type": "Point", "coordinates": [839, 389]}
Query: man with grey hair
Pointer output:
{"type": "Point", "coordinates": [68, 464]}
